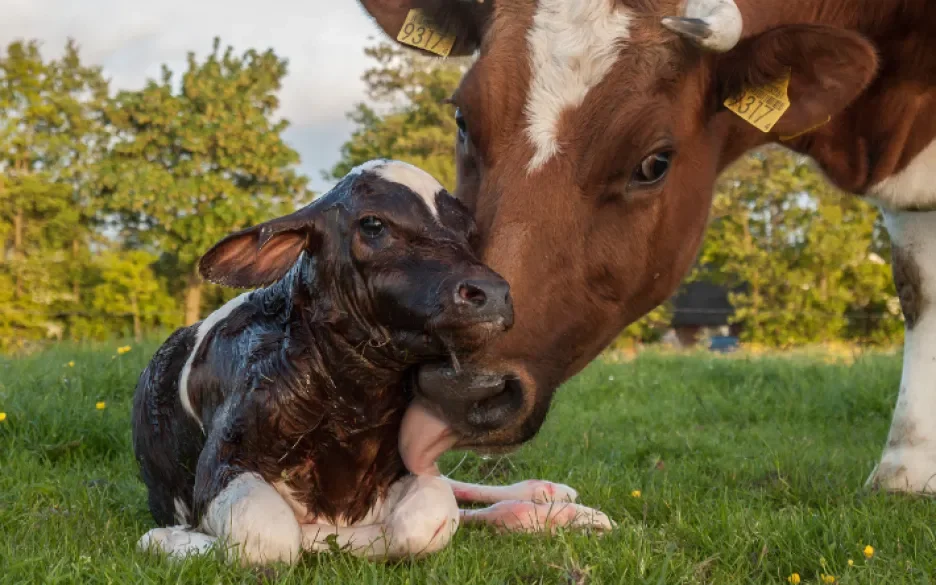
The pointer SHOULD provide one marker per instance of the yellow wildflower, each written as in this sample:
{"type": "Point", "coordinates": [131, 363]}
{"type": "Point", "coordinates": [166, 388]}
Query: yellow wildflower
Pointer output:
{"type": "Point", "coordinates": [2, 416]}
{"type": "Point", "coordinates": [635, 494]}
{"type": "Point", "coordinates": [828, 579]}
{"type": "Point", "coordinates": [123, 350]}
{"type": "Point", "coordinates": [851, 563]}
{"type": "Point", "coordinates": [868, 551]}
{"type": "Point", "coordinates": [71, 364]}
{"type": "Point", "coordinates": [100, 405]}
{"type": "Point", "coordinates": [794, 579]}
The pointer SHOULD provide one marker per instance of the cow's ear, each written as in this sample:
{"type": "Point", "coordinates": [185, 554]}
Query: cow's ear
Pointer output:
{"type": "Point", "coordinates": [465, 20]}
{"type": "Point", "coordinates": [828, 69]}
{"type": "Point", "coordinates": [262, 254]}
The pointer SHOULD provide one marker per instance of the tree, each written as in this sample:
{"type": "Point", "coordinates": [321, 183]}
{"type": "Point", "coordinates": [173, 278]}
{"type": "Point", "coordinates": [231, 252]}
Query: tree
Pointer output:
{"type": "Point", "coordinates": [51, 134]}
{"type": "Point", "coordinates": [410, 119]}
{"type": "Point", "coordinates": [191, 165]}
{"type": "Point", "coordinates": [809, 258]}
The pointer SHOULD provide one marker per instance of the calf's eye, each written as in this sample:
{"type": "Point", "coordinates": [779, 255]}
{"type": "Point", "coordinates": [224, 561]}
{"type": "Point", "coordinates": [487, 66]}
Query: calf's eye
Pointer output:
{"type": "Point", "coordinates": [462, 126]}
{"type": "Point", "coordinates": [653, 168]}
{"type": "Point", "coordinates": [371, 226]}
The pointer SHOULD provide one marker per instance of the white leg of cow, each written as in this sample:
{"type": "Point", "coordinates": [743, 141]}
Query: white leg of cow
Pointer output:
{"type": "Point", "coordinates": [254, 521]}
{"type": "Point", "coordinates": [516, 516]}
{"type": "Point", "coordinates": [420, 516]}
{"type": "Point", "coordinates": [532, 490]}
{"type": "Point", "coordinates": [176, 541]}
{"type": "Point", "coordinates": [909, 460]}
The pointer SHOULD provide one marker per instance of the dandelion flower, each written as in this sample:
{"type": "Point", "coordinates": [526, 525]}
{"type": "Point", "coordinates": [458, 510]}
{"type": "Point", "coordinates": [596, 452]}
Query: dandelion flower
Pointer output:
{"type": "Point", "coordinates": [828, 579]}
{"type": "Point", "coordinates": [868, 551]}
{"type": "Point", "coordinates": [71, 364]}
{"type": "Point", "coordinates": [2, 416]}
{"type": "Point", "coordinates": [851, 563]}
{"type": "Point", "coordinates": [100, 405]}
{"type": "Point", "coordinates": [794, 579]}
{"type": "Point", "coordinates": [123, 350]}
{"type": "Point", "coordinates": [635, 494]}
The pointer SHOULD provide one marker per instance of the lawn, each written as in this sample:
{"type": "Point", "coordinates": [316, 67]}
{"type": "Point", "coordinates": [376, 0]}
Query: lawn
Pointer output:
{"type": "Point", "coordinates": [717, 470]}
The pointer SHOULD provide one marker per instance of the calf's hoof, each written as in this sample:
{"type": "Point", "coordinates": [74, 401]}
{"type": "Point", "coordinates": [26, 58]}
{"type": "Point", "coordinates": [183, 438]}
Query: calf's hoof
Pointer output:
{"type": "Point", "coordinates": [176, 541]}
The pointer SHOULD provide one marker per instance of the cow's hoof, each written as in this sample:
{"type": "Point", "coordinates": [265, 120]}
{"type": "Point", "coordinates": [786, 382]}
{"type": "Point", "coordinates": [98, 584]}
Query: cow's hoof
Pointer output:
{"type": "Point", "coordinates": [905, 470]}
{"type": "Point", "coordinates": [176, 541]}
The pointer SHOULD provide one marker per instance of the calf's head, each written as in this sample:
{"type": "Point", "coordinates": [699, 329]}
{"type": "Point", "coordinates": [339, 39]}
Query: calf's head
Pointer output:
{"type": "Point", "coordinates": [590, 136]}
{"type": "Point", "coordinates": [385, 254]}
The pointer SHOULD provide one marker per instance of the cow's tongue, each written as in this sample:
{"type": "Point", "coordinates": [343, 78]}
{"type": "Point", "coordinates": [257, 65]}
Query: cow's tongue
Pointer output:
{"type": "Point", "coordinates": [424, 437]}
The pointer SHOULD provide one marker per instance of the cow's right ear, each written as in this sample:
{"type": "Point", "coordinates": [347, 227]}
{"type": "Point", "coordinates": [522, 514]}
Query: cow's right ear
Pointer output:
{"type": "Point", "coordinates": [261, 255]}
{"type": "Point", "coordinates": [466, 20]}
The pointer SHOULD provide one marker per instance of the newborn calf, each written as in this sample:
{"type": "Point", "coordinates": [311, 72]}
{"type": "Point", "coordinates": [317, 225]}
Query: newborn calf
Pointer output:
{"type": "Point", "coordinates": [274, 423]}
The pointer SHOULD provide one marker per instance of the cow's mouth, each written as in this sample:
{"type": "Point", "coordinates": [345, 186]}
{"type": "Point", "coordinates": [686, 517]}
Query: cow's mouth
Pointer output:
{"type": "Point", "coordinates": [453, 407]}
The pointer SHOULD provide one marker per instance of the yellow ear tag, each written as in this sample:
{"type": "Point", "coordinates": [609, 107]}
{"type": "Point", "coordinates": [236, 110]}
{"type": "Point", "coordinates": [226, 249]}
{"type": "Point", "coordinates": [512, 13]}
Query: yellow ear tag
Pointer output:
{"type": "Point", "coordinates": [418, 31]}
{"type": "Point", "coordinates": [762, 106]}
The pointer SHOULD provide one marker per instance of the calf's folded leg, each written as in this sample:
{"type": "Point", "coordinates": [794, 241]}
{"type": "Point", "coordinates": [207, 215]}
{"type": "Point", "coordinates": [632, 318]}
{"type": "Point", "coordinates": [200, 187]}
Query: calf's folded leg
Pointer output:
{"type": "Point", "coordinates": [531, 490]}
{"type": "Point", "coordinates": [519, 516]}
{"type": "Point", "coordinates": [419, 517]}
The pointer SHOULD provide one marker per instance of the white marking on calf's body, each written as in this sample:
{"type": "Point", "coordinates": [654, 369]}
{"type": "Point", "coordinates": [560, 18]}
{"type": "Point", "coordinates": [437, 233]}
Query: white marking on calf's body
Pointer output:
{"type": "Point", "coordinates": [915, 186]}
{"type": "Point", "coordinates": [203, 329]}
{"type": "Point", "coordinates": [909, 459]}
{"type": "Point", "coordinates": [573, 45]}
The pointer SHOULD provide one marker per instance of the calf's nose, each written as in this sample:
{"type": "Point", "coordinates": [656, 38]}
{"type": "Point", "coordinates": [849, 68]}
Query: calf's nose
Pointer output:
{"type": "Point", "coordinates": [485, 299]}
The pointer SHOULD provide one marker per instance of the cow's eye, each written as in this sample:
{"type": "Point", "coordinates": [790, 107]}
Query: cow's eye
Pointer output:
{"type": "Point", "coordinates": [653, 168]}
{"type": "Point", "coordinates": [371, 226]}
{"type": "Point", "coordinates": [462, 126]}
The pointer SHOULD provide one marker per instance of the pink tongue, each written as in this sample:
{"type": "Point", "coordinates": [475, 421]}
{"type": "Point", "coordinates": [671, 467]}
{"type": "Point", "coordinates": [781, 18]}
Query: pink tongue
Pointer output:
{"type": "Point", "coordinates": [424, 437]}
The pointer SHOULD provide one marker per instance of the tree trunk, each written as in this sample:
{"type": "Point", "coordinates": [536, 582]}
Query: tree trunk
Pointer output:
{"type": "Point", "coordinates": [193, 288]}
{"type": "Point", "coordinates": [76, 282]}
{"type": "Point", "coordinates": [18, 221]}
{"type": "Point", "coordinates": [137, 326]}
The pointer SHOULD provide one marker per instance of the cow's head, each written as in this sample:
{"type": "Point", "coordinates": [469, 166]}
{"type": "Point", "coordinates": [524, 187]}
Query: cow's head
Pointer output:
{"type": "Point", "coordinates": [591, 133]}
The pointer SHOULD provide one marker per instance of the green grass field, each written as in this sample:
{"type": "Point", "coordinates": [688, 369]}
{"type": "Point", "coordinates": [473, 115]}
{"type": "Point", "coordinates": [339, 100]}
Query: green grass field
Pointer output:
{"type": "Point", "coordinates": [748, 470]}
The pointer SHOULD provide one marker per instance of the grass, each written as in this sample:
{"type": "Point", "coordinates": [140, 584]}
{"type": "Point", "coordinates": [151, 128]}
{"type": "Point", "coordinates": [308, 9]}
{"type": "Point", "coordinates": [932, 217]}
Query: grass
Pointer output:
{"type": "Point", "coordinates": [749, 470]}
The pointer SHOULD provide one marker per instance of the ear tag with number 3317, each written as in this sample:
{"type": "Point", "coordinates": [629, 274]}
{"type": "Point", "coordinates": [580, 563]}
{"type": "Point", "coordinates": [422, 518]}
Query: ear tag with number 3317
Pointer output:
{"type": "Point", "coordinates": [419, 31]}
{"type": "Point", "coordinates": [762, 106]}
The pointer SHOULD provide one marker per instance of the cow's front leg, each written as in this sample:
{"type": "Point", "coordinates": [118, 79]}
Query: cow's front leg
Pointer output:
{"type": "Point", "coordinates": [909, 460]}
{"type": "Point", "coordinates": [419, 517]}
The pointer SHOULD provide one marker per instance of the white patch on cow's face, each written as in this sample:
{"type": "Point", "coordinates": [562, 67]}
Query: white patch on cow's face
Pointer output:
{"type": "Point", "coordinates": [573, 45]}
{"type": "Point", "coordinates": [915, 186]}
{"type": "Point", "coordinates": [909, 460]}
{"type": "Point", "coordinates": [252, 516]}
{"type": "Point", "coordinates": [412, 177]}
{"type": "Point", "coordinates": [203, 328]}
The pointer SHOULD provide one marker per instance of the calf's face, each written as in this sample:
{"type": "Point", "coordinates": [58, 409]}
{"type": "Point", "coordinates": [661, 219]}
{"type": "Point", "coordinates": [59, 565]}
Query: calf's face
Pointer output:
{"type": "Point", "coordinates": [387, 247]}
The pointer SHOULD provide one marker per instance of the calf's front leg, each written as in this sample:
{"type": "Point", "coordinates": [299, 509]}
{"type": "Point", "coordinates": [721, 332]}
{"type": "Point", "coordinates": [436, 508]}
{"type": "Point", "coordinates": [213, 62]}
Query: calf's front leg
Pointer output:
{"type": "Point", "coordinates": [909, 459]}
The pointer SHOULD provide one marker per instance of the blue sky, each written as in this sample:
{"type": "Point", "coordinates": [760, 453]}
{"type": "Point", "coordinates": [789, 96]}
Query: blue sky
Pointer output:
{"type": "Point", "coordinates": [131, 39]}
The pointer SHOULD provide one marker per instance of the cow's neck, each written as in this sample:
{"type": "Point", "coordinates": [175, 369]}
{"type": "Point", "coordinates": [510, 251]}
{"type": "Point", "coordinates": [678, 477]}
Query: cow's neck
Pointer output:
{"type": "Point", "coordinates": [894, 121]}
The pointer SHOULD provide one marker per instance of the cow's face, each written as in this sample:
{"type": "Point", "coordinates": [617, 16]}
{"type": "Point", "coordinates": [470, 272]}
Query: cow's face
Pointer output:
{"type": "Point", "coordinates": [591, 134]}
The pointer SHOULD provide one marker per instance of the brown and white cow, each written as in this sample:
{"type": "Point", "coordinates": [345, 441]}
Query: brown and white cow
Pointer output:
{"type": "Point", "coordinates": [591, 134]}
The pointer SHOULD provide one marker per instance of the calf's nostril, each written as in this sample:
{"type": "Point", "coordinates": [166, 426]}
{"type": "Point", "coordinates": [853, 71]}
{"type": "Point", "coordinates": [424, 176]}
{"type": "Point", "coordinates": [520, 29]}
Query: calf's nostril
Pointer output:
{"type": "Point", "coordinates": [472, 294]}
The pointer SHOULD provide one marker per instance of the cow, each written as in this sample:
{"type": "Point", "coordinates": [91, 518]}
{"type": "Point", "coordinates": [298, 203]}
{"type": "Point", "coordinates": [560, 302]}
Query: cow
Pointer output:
{"type": "Point", "coordinates": [275, 423]}
{"type": "Point", "coordinates": [590, 136]}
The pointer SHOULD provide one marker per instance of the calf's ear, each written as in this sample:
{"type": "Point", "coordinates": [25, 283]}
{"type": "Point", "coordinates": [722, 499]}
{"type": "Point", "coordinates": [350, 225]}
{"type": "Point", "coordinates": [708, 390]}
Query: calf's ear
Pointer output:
{"type": "Point", "coordinates": [465, 20]}
{"type": "Point", "coordinates": [828, 68]}
{"type": "Point", "coordinates": [261, 255]}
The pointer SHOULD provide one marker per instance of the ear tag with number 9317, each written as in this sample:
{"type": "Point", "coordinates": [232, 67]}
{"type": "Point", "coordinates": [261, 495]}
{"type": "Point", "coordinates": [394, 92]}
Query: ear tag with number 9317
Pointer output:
{"type": "Point", "coordinates": [762, 106]}
{"type": "Point", "coordinates": [419, 31]}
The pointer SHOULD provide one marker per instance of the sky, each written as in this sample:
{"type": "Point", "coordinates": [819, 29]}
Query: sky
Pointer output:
{"type": "Point", "coordinates": [323, 40]}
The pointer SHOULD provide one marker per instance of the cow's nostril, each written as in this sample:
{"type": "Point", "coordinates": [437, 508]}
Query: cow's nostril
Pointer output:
{"type": "Point", "coordinates": [473, 294]}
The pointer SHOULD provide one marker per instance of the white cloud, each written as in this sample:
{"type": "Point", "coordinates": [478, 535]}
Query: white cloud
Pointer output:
{"type": "Point", "coordinates": [323, 40]}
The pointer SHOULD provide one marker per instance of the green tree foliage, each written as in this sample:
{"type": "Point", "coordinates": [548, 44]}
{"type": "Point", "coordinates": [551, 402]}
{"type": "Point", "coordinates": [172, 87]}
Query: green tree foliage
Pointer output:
{"type": "Point", "coordinates": [809, 258]}
{"type": "Point", "coordinates": [51, 134]}
{"type": "Point", "coordinates": [410, 119]}
{"type": "Point", "coordinates": [198, 159]}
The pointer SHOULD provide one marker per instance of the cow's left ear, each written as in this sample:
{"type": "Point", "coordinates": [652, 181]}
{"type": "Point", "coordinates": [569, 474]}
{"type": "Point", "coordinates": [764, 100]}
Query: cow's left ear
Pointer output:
{"type": "Point", "coordinates": [465, 20]}
{"type": "Point", "coordinates": [262, 254]}
{"type": "Point", "coordinates": [828, 68]}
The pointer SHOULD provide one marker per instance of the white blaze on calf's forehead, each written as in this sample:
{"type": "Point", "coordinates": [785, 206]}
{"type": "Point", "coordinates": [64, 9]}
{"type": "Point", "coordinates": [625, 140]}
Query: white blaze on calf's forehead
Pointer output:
{"type": "Point", "coordinates": [412, 177]}
{"type": "Point", "coordinates": [573, 45]}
